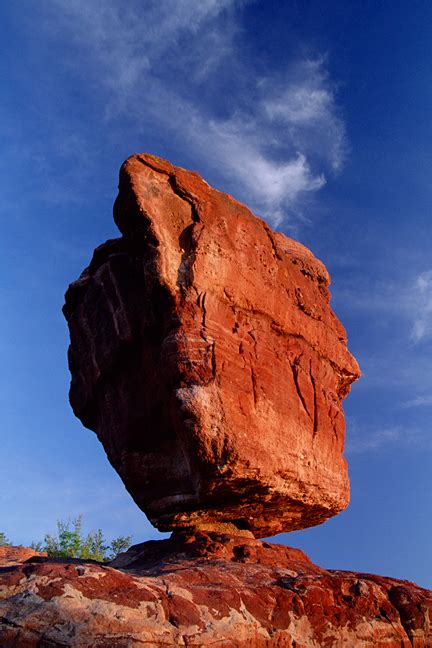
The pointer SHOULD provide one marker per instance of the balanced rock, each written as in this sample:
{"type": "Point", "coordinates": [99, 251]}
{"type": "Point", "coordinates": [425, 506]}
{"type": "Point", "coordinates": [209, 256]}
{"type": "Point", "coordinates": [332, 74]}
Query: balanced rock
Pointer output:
{"type": "Point", "coordinates": [205, 355]}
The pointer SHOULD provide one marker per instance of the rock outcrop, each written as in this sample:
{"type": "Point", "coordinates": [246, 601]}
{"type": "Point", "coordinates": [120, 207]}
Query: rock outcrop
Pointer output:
{"type": "Point", "coordinates": [11, 556]}
{"type": "Point", "coordinates": [206, 357]}
{"type": "Point", "coordinates": [207, 589]}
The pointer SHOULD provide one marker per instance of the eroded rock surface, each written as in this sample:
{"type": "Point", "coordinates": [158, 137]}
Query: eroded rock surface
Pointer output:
{"type": "Point", "coordinates": [207, 589]}
{"type": "Point", "coordinates": [10, 556]}
{"type": "Point", "coordinates": [206, 357]}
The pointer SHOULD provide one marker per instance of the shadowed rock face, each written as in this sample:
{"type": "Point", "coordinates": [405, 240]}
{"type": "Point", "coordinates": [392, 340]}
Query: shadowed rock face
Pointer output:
{"type": "Point", "coordinates": [206, 589]}
{"type": "Point", "coordinates": [207, 359]}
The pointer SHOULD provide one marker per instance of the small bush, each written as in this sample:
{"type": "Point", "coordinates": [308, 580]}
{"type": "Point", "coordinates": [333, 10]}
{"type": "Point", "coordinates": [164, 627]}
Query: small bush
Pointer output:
{"type": "Point", "coordinates": [69, 542]}
{"type": "Point", "coordinates": [4, 542]}
{"type": "Point", "coordinates": [122, 543]}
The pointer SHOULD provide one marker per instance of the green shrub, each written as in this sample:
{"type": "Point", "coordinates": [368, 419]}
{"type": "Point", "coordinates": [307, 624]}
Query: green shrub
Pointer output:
{"type": "Point", "coordinates": [122, 543]}
{"type": "Point", "coordinates": [4, 542]}
{"type": "Point", "coordinates": [69, 542]}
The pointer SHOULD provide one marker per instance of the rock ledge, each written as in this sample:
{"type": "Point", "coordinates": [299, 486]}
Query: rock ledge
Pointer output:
{"type": "Point", "coordinates": [206, 589]}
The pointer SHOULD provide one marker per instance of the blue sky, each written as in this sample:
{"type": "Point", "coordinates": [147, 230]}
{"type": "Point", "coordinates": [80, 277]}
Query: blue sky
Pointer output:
{"type": "Point", "coordinates": [317, 115]}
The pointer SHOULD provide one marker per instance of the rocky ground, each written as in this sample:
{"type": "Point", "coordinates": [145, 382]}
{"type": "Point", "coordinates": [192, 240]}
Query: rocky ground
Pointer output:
{"type": "Point", "coordinates": [205, 589]}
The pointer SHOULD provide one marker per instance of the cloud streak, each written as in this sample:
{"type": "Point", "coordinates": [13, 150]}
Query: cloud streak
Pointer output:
{"type": "Point", "coordinates": [407, 299]}
{"type": "Point", "coordinates": [361, 441]}
{"type": "Point", "coordinates": [305, 107]}
{"type": "Point", "coordinates": [177, 68]}
{"type": "Point", "coordinates": [418, 401]}
{"type": "Point", "coordinates": [365, 440]}
{"type": "Point", "coordinates": [422, 303]}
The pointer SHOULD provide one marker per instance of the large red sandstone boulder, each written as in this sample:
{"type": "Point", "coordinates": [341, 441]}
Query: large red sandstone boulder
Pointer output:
{"type": "Point", "coordinates": [207, 590]}
{"type": "Point", "coordinates": [205, 355]}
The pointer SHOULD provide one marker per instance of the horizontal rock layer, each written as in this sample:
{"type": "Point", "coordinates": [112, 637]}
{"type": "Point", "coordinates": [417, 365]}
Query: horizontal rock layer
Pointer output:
{"type": "Point", "coordinates": [207, 589]}
{"type": "Point", "coordinates": [205, 355]}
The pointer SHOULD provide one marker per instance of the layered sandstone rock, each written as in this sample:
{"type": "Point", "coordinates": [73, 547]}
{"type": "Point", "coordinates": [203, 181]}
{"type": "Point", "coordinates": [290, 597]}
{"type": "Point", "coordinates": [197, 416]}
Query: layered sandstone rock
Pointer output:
{"type": "Point", "coordinates": [11, 556]}
{"type": "Point", "coordinates": [207, 590]}
{"type": "Point", "coordinates": [206, 357]}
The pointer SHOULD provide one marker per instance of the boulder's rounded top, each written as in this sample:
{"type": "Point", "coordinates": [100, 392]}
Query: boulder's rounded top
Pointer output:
{"type": "Point", "coordinates": [197, 190]}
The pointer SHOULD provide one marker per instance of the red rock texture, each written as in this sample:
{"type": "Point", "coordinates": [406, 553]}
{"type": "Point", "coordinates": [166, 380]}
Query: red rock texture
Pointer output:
{"type": "Point", "coordinates": [207, 589]}
{"type": "Point", "coordinates": [205, 355]}
{"type": "Point", "coordinates": [10, 555]}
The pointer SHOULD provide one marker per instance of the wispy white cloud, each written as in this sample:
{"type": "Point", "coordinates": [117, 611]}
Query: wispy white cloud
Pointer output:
{"type": "Point", "coordinates": [393, 339]}
{"type": "Point", "coordinates": [364, 440]}
{"type": "Point", "coordinates": [422, 307]}
{"type": "Point", "coordinates": [126, 39]}
{"type": "Point", "coordinates": [270, 185]}
{"type": "Point", "coordinates": [403, 300]}
{"type": "Point", "coordinates": [177, 67]}
{"type": "Point", "coordinates": [305, 106]}
{"type": "Point", "coordinates": [359, 441]}
{"type": "Point", "coordinates": [418, 401]}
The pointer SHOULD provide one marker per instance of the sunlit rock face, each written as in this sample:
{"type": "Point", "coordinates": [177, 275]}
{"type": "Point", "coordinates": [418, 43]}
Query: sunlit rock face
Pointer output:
{"type": "Point", "coordinates": [205, 355]}
{"type": "Point", "coordinates": [205, 589]}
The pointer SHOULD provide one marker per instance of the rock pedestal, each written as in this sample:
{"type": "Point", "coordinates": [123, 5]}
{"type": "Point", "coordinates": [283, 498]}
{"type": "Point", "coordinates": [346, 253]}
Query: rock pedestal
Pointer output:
{"type": "Point", "coordinates": [207, 589]}
{"type": "Point", "coordinates": [205, 355]}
